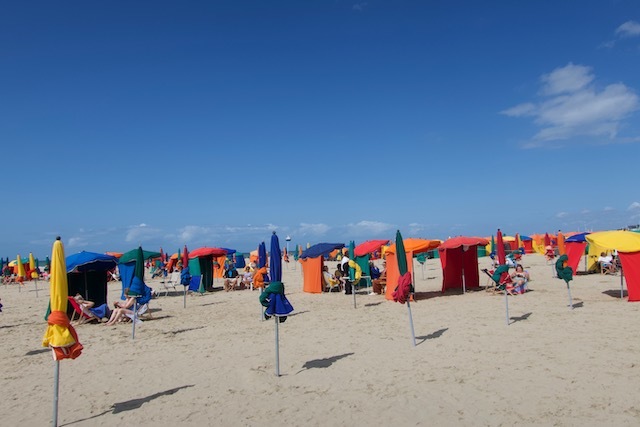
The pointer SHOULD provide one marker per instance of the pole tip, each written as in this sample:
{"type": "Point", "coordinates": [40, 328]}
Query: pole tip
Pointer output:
{"type": "Point", "coordinates": [58, 238]}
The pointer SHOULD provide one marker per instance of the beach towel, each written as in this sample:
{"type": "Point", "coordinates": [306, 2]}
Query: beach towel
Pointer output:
{"type": "Point", "coordinates": [101, 311]}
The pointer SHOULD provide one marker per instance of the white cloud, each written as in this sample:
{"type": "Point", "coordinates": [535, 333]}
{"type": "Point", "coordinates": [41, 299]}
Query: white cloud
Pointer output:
{"type": "Point", "coordinates": [628, 29]}
{"type": "Point", "coordinates": [634, 206]}
{"type": "Point", "coordinates": [75, 242]}
{"type": "Point", "coordinates": [569, 78]}
{"type": "Point", "coordinates": [562, 214]}
{"type": "Point", "coordinates": [314, 229]}
{"type": "Point", "coordinates": [141, 233]}
{"type": "Point", "coordinates": [585, 211]}
{"type": "Point", "coordinates": [572, 106]}
{"type": "Point", "coordinates": [370, 227]}
{"type": "Point", "coordinates": [608, 209]}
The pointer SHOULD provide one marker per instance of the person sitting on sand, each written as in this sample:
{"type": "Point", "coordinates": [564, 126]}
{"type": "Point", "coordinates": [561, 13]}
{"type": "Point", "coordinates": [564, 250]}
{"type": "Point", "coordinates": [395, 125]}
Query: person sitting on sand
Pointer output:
{"type": "Point", "coordinates": [520, 278]}
{"type": "Point", "coordinates": [88, 307]}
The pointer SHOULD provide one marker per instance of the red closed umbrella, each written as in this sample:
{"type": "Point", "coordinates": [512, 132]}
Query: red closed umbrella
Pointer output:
{"type": "Point", "coordinates": [502, 257]}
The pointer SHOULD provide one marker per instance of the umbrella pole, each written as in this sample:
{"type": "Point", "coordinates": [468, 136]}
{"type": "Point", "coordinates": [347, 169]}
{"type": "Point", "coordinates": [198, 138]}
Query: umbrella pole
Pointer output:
{"type": "Point", "coordinates": [621, 284]}
{"type": "Point", "coordinates": [413, 335]}
{"type": "Point", "coordinates": [275, 318]}
{"type": "Point", "coordinates": [570, 301]}
{"type": "Point", "coordinates": [36, 283]}
{"type": "Point", "coordinates": [464, 284]}
{"type": "Point", "coordinates": [422, 271]}
{"type": "Point", "coordinates": [353, 291]}
{"type": "Point", "coordinates": [56, 382]}
{"type": "Point", "coordinates": [135, 315]}
{"type": "Point", "coordinates": [184, 304]}
{"type": "Point", "coordinates": [506, 303]}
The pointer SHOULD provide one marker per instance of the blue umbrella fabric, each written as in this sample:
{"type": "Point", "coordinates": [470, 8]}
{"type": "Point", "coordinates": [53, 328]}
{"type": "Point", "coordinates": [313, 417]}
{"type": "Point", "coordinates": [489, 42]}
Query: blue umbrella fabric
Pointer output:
{"type": "Point", "coordinates": [273, 297]}
{"type": "Point", "coordinates": [581, 237]}
{"type": "Point", "coordinates": [90, 261]}
{"type": "Point", "coordinates": [262, 255]}
{"type": "Point", "coordinates": [320, 249]}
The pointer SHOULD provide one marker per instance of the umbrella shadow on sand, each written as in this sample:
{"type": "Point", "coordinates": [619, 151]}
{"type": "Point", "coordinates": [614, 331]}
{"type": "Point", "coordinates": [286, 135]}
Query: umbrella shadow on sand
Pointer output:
{"type": "Point", "coordinates": [434, 335]}
{"type": "Point", "coordinates": [132, 404]}
{"type": "Point", "coordinates": [615, 293]}
{"type": "Point", "coordinates": [515, 319]}
{"type": "Point", "coordinates": [323, 363]}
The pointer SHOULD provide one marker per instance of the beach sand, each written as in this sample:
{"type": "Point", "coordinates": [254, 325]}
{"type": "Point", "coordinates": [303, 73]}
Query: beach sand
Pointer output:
{"type": "Point", "coordinates": [213, 362]}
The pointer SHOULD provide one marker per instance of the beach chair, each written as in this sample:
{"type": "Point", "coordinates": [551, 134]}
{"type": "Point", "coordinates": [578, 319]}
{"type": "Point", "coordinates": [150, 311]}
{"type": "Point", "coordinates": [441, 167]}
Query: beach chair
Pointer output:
{"type": "Point", "coordinates": [84, 315]}
{"type": "Point", "coordinates": [143, 311]}
{"type": "Point", "coordinates": [330, 285]}
{"type": "Point", "coordinates": [171, 282]}
{"type": "Point", "coordinates": [499, 281]}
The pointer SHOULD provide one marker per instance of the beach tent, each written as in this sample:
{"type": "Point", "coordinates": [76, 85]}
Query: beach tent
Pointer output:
{"type": "Point", "coordinates": [627, 244]}
{"type": "Point", "coordinates": [87, 275]}
{"type": "Point", "coordinates": [127, 266]}
{"type": "Point", "coordinates": [201, 267]}
{"type": "Point", "coordinates": [412, 247]}
{"type": "Point", "coordinates": [362, 255]}
{"type": "Point", "coordinates": [527, 243]}
{"type": "Point", "coordinates": [574, 247]}
{"type": "Point", "coordinates": [312, 261]}
{"type": "Point", "coordinates": [459, 259]}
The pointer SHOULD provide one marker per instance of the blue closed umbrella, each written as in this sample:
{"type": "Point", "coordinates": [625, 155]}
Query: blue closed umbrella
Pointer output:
{"type": "Point", "coordinates": [275, 259]}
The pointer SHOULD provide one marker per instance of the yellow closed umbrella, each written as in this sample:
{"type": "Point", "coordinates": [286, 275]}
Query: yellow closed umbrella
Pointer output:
{"type": "Point", "coordinates": [34, 272]}
{"type": "Point", "coordinates": [21, 273]}
{"type": "Point", "coordinates": [60, 335]}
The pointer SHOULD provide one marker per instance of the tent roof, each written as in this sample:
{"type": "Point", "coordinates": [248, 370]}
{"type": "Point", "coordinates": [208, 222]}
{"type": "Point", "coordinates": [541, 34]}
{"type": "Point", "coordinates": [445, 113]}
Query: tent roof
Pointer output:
{"type": "Point", "coordinates": [580, 237]}
{"type": "Point", "coordinates": [320, 249]}
{"type": "Point", "coordinates": [369, 246]}
{"type": "Point", "coordinates": [416, 245]}
{"type": "Point", "coordinates": [90, 261]}
{"type": "Point", "coordinates": [622, 241]}
{"type": "Point", "coordinates": [132, 255]}
{"type": "Point", "coordinates": [456, 242]}
{"type": "Point", "coordinates": [229, 251]}
{"type": "Point", "coordinates": [201, 252]}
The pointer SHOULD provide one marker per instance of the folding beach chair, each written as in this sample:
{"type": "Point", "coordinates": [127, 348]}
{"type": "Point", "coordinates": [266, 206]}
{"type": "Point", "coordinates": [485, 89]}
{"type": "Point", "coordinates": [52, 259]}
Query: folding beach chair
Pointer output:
{"type": "Point", "coordinates": [84, 315]}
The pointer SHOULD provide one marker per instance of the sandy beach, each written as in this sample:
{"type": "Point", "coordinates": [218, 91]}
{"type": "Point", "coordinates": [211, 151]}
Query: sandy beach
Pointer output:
{"type": "Point", "coordinates": [213, 362]}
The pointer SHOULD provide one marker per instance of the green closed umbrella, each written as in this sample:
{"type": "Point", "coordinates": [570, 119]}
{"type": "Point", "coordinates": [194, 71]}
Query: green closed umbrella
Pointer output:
{"type": "Point", "coordinates": [566, 274]}
{"type": "Point", "coordinates": [401, 257]}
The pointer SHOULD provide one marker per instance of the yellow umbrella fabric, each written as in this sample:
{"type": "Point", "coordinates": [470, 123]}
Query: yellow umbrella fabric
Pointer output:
{"type": "Point", "coordinates": [60, 335]}
{"type": "Point", "coordinates": [622, 241]}
{"type": "Point", "coordinates": [21, 272]}
{"type": "Point", "coordinates": [32, 266]}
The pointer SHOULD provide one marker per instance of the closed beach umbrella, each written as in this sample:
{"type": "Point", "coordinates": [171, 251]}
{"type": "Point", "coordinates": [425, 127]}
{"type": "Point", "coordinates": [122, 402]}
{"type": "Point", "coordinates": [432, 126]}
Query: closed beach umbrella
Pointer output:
{"type": "Point", "coordinates": [502, 257]}
{"type": "Point", "coordinates": [561, 248]}
{"type": "Point", "coordinates": [566, 274]}
{"type": "Point", "coordinates": [275, 259]}
{"type": "Point", "coordinates": [402, 292]}
{"type": "Point", "coordinates": [34, 272]}
{"type": "Point", "coordinates": [262, 255]}
{"type": "Point", "coordinates": [60, 335]}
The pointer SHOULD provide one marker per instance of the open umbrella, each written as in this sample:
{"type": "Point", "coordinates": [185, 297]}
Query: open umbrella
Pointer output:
{"type": "Point", "coordinates": [273, 297]}
{"type": "Point", "coordinates": [60, 335]}
{"type": "Point", "coordinates": [403, 291]}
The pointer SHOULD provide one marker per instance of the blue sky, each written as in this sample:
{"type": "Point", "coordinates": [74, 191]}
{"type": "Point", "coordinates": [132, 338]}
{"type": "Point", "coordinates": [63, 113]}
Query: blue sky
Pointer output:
{"type": "Point", "coordinates": [164, 123]}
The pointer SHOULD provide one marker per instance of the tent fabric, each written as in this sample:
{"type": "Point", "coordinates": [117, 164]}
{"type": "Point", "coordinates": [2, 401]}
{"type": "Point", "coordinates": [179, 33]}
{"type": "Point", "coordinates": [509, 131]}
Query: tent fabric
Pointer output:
{"type": "Point", "coordinates": [416, 246]}
{"type": "Point", "coordinates": [631, 268]}
{"type": "Point", "coordinates": [369, 246]}
{"type": "Point", "coordinates": [393, 274]}
{"type": "Point", "coordinates": [92, 285]}
{"type": "Point", "coordinates": [312, 274]}
{"type": "Point", "coordinates": [90, 261]}
{"type": "Point", "coordinates": [605, 241]}
{"type": "Point", "coordinates": [219, 272]}
{"type": "Point", "coordinates": [458, 264]}
{"type": "Point", "coordinates": [574, 251]}
{"type": "Point", "coordinates": [240, 262]}
{"type": "Point", "coordinates": [126, 271]}
{"type": "Point", "coordinates": [320, 249]}
{"type": "Point", "coordinates": [457, 242]}
{"type": "Point", "coordinates": [207, 252]}
{"type": "Point", "coordinates": [133, 254]}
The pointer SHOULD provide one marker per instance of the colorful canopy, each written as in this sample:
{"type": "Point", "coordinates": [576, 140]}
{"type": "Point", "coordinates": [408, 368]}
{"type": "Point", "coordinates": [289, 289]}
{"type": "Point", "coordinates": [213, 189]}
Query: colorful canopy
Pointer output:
{"type": "Point", "coordinates": [320, 249]}
{"type": "Point", "coordinates": [456, 242]}
{"type": "Point", "coordinates": [369, 247]}
{"type": "Point", "coordinates": [133, 254]}
{"type": "Point", "coordinates": [90, 261]}
{"type": "Point", "coordinates": [207, 252]}
{"type": "Point", "coordinates": [622, 241]}
{"type": "Point", "coordinates": [416, 246]}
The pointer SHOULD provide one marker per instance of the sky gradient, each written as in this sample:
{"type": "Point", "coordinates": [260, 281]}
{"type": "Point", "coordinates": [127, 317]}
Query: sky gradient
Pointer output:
{"type": "Point", "coordinates": [165, 123]}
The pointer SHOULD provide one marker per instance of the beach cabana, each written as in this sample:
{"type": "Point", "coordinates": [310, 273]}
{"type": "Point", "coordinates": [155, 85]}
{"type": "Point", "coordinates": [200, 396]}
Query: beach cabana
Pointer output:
{"type": "Point", "coordinates": [127, 266]}
{"type": "Point", "coordinates": [459, 259]}
{"type": "Point", "coordinates": [627, 244]}
{"type": "Point", "coordinates": [412, 247]}
{"type": "Point", "coordinates": [87, 275]}
{"type": "Point", "coordinates": [362, 254]}
{"type": "Point", "coordinates": [574, 247]}
{"type": "Point", "coordinates": [201, 267]}
{"type": "Point", "coordinates": [527, 243]}
{"type": "Point", "coordinates": [312, 261]}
